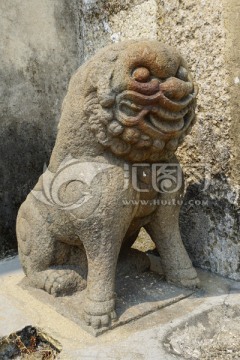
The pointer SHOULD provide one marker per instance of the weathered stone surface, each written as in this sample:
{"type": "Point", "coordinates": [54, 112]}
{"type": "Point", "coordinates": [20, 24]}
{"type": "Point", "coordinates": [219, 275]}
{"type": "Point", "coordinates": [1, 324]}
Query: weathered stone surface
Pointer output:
{"type": "Point", "coordinates": [141, 339]}
{"type": "Point", "coordinates": [40, 48]}
{"type": "Point", "coordinates": [207, 35]}
{"type": "Point", "coordinates": [209, 335]}
{"type": "Point", "coordinates": [128, 107]}
{"type": "Point", "coordinates": [138, 296]}
{"type": "Point", "coordinates": [211, 227]}
{"type": "Point", "coordinates": [104, 23]}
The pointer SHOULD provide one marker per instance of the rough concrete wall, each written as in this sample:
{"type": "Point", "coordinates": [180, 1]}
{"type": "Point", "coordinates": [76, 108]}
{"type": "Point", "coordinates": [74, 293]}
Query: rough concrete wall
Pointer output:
{"type": "Point", "coordinates": [39, 50]}
{"type": "Point", "coordinates": [232, 56]}
{"type": "Point", "coordinates": [203, 32]}
{"type": "Point", "coordinates": [104, 22]}
{"type": "Point", "coordinates": [211, 228]}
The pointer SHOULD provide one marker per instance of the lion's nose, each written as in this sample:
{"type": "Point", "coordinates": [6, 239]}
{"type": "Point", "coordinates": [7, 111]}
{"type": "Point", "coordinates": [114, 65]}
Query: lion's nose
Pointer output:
{"type": "Point", "coordinates": [176, 89]}
{"type": "Point", "coordinates": [141, 74]}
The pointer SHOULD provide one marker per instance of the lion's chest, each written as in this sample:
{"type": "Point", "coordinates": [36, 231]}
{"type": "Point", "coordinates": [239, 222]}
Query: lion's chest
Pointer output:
{"type": "Point", "coordinates": [147, 195]}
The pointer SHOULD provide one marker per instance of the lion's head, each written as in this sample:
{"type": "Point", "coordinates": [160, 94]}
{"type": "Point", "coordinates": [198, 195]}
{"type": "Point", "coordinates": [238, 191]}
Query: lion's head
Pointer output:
{"type": "Point", "coordinates": [138, 99]}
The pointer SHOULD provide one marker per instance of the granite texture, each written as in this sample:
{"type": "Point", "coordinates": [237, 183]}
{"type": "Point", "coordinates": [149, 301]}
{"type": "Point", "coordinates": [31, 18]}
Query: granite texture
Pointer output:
{"type": "Point", "coordinates": [129, 106]}
{"type": "Point", "coordinates": [206, 34]}
{"type": "Point", "coordinates": [210, 215]}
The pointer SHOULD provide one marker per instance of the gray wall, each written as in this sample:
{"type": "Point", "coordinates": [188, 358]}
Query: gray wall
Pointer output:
{"type": "Point", "coordinates": [40, 48]}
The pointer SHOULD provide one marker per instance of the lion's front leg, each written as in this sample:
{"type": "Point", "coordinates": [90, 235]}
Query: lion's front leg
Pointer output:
{"type": "Point", "coordinates": [102, 252]}
{"type": "Point", "coordinates": [99, 306]}
{"type": "Point", "coordinates": [102, 236]}
{"type": "Point", "coordinates": [164, 231]}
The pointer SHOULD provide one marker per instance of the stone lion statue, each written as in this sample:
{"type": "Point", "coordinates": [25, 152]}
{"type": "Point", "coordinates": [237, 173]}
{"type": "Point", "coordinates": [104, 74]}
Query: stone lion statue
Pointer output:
{"type": "Point", "coordinates": [126, 110]}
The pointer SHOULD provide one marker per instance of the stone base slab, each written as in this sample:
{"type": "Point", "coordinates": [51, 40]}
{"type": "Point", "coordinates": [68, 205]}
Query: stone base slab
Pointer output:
{"type": "Point", "coordinates": [137, 296]}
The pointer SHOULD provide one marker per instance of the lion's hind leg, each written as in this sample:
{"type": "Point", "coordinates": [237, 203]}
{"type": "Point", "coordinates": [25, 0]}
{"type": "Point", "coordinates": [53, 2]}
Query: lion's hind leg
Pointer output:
{"type": "Point", "coordinates": [164, 231]}
{"type": "Point", "coordinates": [58, 281]}
{"type": "Point", "coordinates": [45, 259]}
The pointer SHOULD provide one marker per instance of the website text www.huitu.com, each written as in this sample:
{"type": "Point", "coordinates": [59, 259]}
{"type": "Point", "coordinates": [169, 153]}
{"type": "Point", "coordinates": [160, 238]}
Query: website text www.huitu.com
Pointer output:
{"type": "Point", "coordinates": [164, 202]}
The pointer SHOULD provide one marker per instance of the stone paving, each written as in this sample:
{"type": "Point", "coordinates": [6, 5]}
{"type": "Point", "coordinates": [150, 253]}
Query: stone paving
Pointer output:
{"type": "Point", "coordinates": [183, 330]}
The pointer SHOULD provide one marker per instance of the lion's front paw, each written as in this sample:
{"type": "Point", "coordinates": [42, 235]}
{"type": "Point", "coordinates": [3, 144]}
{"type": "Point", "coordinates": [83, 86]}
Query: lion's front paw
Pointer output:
{"type": "Point", "coordinates": [99, 321]}
{"type": "Point", "coordinates": [184, 277]}
{"type": "Point", "coordinates": [99, 313]}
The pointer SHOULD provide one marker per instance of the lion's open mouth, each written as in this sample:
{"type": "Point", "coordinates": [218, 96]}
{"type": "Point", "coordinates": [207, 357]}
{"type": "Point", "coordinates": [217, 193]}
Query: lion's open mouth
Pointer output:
{"type": "Point", "coordinates": [149, 118]}
{"type": "Point", "coordinates": [167, 112]}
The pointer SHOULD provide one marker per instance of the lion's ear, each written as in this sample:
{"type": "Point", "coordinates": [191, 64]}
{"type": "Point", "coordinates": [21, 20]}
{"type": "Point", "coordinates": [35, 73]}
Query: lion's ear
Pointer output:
{"type": "Point", "coordinates": [99, 77]}
{"type": "Point", "coordinates": [106, 95]}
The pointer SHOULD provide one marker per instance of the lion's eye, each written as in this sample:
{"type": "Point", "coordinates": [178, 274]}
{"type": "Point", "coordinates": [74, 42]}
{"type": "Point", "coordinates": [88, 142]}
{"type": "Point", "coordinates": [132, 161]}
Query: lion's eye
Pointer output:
{"type": "Point", "coordinates": [141, 74]}
{"type": "Point", "coordinates": [182, 74]}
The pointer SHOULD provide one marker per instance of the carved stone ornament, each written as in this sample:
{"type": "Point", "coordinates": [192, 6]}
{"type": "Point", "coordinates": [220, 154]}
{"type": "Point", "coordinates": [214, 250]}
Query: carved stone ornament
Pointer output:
{"type": "Point", "coordinates": [126, 111]}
